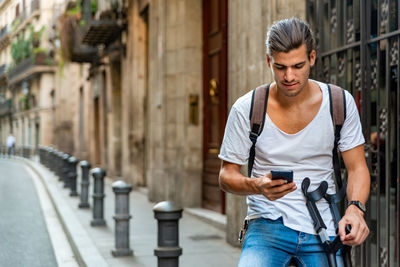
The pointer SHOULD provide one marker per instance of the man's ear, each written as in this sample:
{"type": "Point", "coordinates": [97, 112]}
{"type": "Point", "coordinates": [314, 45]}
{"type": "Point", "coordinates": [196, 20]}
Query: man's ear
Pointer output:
{"type": "Point", "coordinates": [268, 60]}
{"type": "Point", "coordinates": [312, 57]}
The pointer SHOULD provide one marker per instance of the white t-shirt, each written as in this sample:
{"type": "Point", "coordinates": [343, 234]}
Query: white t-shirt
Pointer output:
{"type": "Point", "coordinates": [308, 153]}
{"type": "Point", "coordinates": [10, 141]}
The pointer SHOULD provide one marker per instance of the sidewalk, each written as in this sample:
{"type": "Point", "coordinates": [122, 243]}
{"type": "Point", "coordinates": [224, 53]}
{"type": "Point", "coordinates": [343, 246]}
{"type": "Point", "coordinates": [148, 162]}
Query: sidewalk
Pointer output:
{"type": "Point", "coordinates": [202, 243]}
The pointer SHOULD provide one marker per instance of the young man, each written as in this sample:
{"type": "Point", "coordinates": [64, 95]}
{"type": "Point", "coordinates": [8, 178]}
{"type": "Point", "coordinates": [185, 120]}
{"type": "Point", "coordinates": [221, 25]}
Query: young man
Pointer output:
{"type": "Point", "coordinates": [298, 135]}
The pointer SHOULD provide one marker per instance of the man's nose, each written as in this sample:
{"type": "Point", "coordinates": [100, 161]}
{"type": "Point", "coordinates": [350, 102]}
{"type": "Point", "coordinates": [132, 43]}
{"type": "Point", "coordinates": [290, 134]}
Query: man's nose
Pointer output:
{"type": "Point", "coordinates": [289, 75]}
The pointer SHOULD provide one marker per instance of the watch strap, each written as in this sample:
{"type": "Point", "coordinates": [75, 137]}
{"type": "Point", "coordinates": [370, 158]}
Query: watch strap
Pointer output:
{"type": "Point", "coordinates": [358, 204]}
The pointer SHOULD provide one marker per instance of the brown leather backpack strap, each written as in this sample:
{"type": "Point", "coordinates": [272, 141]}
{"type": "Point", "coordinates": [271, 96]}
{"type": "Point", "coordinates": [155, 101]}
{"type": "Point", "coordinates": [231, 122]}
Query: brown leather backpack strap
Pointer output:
{"type": "Point", "coordinates": [337, 101]}
{"type": "Point", "coordinates": [258, 107]}
{"type": "Point", "coordinates": [258, 111]}
{"type": "Point", "coordinates": [338, 105]}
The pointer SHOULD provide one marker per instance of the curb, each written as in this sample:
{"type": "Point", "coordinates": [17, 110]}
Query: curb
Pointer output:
{"type": "Point", "coordinates": [85, 251]}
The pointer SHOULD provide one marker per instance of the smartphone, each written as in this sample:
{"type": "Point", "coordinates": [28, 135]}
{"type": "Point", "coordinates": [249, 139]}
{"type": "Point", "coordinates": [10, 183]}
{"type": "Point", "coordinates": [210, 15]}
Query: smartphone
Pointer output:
{"type": "Point", "coordinates": [286, 175]}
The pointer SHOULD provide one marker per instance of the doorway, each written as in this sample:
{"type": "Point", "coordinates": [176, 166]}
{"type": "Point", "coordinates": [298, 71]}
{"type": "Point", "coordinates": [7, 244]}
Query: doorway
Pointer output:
{"type": "Point", "coordinates": [215, 25]}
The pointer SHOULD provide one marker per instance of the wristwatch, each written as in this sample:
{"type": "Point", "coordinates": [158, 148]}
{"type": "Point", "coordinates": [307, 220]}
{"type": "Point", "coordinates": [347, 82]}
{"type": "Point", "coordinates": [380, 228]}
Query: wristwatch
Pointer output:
{"type": "Point", "coordinates": [358, 204]}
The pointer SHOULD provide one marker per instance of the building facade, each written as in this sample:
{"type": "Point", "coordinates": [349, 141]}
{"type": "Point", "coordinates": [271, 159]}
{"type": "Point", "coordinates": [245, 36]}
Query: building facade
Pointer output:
{"type": "Point", "coordinates": [27, 64]}
{"type": "Point", "coordinates": [143, 88]}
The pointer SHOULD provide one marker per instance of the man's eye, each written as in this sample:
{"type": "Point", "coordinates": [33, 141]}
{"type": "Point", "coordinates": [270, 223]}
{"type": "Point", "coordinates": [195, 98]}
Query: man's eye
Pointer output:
{"type": "Point", "coordinates": [299, 66]}
{"type": "Point", "coordinates": [279, 67]}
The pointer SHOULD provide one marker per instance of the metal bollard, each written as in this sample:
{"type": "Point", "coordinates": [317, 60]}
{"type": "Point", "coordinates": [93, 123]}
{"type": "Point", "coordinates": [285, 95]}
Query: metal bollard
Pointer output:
{"type": "Point", "coordinates": [50, 160]}
{"type": "Point", "coordinates": [42, 154]}
{"type": "Point", "coordinates": [72, 176]}
{"type": "Point", "coordinates": [98, 197]}
{"type": "Point", "coordinates": [85, 166]}
{"type": "Point", "coordinates": [59, 163]}
{"type": "Point", "coordinates": [168, 250]}
{"type": "Point", "coordinates": [48, 157]}
{"type": "Point", "coordinates": [122, 217]}
{"type": "Point", "coordinates": [65, 171]}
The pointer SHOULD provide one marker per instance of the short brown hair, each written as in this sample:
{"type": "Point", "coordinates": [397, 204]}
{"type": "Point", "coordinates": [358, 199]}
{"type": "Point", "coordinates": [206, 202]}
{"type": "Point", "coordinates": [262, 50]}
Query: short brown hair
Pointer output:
{"type": "Point", "coordinates": [288, 34]}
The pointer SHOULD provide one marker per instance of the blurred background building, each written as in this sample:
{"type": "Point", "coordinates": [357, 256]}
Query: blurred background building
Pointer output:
{"type": "Point", "coordinates": [143, 88]}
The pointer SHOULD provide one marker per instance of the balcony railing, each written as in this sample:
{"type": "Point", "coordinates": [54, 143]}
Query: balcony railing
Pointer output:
{"type": "Point", "coordinates": [3, 31]}
{"type": "Point", "coordinates": [4, 37]}
{"type": "Point", "coordinates": [3, 69]}
{"type": "Point", "coordinates": [71, 42]}
{"type": "Point", "coordinates": [34, 64]}
{"type": "Point", "coordinates": [27, 15]}
{"type": "Point", "coordinates": [103, 30]}
{"type": "Point", "coordinates": [6, 107]}
{"type": "Point", "coordinates": [3, 74]}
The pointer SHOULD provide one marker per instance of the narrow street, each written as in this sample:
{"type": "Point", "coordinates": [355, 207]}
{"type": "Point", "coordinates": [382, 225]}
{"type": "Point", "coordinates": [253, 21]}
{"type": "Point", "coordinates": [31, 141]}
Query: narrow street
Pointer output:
{"type": "Point", "coordinates": [24, 237]}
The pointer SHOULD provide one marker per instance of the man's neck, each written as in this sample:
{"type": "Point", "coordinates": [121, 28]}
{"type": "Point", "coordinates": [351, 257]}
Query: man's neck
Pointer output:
{"type": "Point", "coordinates": [292, 101]}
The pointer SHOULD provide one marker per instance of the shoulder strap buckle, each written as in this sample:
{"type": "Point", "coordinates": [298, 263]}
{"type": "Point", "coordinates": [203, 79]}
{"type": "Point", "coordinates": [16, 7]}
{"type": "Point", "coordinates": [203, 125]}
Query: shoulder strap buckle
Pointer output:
{"type": "Point", "coordinates": [253, 137]}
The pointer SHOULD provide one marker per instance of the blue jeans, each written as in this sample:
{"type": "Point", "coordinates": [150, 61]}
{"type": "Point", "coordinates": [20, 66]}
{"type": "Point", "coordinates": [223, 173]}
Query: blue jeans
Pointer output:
{"type": "Point", "coordinates": [270, 243]}
{"type": "Point", "coordinates": [11, 151]}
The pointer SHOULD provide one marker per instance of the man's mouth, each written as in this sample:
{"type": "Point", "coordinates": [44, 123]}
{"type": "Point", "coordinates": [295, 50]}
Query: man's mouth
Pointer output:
{"type": "Point", "coordinates": [289, 84]}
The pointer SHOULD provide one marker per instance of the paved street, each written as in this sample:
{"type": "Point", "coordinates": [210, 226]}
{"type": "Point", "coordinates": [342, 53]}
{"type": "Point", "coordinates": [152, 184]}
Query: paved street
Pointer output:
{"type": "Point", "coordinates": [24, 237]}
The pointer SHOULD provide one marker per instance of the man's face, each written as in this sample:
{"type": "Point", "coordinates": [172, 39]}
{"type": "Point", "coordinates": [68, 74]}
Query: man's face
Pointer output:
{"type": "Point", "coordinates": [291, 70]}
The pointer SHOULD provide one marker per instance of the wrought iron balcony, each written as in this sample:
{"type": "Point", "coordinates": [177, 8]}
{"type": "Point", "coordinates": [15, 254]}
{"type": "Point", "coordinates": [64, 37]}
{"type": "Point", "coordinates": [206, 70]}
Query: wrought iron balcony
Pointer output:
{"type": "Point", "coordinates": [102, 31]}
{"type": "Point", "coordinates": [71, 42]}
{"type": "Point", "coordinates": [32, 65]}
{"type": "Point", "coordinates": [6, 107]}
{"type": "Point", "coordinates": [3, 74]}
{"type": "Point", "coordinates": [3, 69]}
{"type": "Point", "coordinates": [26, 16]}
{"type": "Point", "coordinates": [35, 6]}
{"type": "Point", "coordinates": [4, 37]}
{"type": "Point", "coordinates": [82, 52]}
{"type": "Point", "coordinates": [3, 31]}
{"type": "Point", "coordinates": [19, 19]}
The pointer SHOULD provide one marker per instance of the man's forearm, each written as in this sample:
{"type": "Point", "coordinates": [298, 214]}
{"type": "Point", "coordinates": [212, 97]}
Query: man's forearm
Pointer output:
{"type": "Point", "coordinates": [358, 185]}
{"type": "Point", "coordinates": [236, 183]}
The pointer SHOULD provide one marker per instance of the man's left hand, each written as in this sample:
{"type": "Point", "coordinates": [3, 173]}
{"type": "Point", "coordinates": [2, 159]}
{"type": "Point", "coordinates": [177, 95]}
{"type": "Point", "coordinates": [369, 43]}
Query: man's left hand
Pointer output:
{"type": "Point", "coordinates": [359, 229]}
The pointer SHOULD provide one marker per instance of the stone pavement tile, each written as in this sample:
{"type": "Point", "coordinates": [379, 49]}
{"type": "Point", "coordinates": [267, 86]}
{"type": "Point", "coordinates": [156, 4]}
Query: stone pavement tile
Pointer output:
{"type": "Point", "coordinates": [209, 259]}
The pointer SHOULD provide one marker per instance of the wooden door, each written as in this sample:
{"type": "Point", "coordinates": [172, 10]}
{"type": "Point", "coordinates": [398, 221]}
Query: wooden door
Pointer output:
{"type": "Point", "coordinates": [215, 19]}
{"type": "Point", "coordinates": [97, 143]}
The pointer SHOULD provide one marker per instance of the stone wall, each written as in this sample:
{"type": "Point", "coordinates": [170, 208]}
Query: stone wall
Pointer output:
{"type": "Point", "coordinates": [175, 147]}
{"type": "Point", "coordinates": [134, 94]}
{"type": "Point", "coordinates": [66, 107]}
{"type": "Point", "coordinates": [46, 85]}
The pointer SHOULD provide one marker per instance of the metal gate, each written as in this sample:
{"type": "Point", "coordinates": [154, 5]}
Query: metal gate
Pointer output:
{"type": "Point", "coordinates": [358, 49]}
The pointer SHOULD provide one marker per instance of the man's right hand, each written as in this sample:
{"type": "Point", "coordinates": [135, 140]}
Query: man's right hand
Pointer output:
{"type": "Point", "coordinates": [232, 181]}
{"type": "Point", "coordinates": [274, 189]}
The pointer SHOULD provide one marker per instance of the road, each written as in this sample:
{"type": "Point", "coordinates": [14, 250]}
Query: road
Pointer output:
{"type": "Point", "coordinates": [24, 239]}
